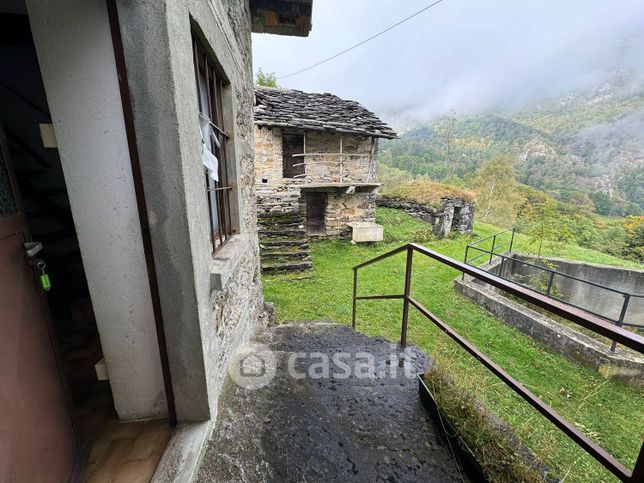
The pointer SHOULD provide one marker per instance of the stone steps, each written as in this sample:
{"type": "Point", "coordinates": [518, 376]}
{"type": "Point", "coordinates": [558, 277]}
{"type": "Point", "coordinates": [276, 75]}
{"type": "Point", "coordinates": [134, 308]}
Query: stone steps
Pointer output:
{"type": "Point", "coordinates": [286, 254]}
{"type": "Point", "coordinates": [283, 243]}
{"type": "Point", "coordinates": [274, 226]}
{"type": "Point", "coordinates": [276, 243]}
{"type": "Point", "coordinates": [284, 234]}
{"type": "Point", "coordinates": [287, 267]}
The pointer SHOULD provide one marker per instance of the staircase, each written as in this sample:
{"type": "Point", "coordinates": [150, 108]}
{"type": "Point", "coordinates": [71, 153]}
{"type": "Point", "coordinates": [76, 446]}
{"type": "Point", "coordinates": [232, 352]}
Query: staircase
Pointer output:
{"type": "Point", "coordinates": [283, 244]}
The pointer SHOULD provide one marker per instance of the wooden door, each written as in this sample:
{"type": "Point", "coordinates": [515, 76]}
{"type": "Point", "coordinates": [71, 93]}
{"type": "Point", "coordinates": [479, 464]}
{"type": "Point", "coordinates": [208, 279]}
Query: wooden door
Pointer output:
{"type": "Point", "coordinates": [36, 438]}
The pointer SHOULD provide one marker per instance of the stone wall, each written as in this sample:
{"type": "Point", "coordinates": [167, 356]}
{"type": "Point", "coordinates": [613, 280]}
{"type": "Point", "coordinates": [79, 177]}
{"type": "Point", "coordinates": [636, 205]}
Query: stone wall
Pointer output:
{"type": "Point", "coordinates": [276, 194]}
{"type": "Point", "coordinates": [359, 165]}
{"type": "Point", "coordinates": [211, 304]}
{"type": "Point", "coordinates": [453, 214]}
{"type": "Point", "coordinates": [342, 208]}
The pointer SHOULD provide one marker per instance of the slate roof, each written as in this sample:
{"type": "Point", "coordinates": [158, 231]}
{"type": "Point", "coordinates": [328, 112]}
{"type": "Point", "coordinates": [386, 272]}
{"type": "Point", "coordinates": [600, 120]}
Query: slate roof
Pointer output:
{"type": "Point", "coordinates": [321, 112]}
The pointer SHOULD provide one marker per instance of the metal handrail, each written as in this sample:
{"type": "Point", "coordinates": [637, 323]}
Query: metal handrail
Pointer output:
{"type": "Point", "coordinates": [573, 314]}
{"type": "Point", "coordinates": [627, 296]}
{"type": "Point", "coordinates": [546, 269]}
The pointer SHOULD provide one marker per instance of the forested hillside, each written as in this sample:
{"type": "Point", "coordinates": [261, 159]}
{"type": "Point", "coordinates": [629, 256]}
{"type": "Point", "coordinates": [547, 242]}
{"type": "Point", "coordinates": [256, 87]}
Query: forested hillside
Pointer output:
{"type": "Point", "coordinates": [586, 148]}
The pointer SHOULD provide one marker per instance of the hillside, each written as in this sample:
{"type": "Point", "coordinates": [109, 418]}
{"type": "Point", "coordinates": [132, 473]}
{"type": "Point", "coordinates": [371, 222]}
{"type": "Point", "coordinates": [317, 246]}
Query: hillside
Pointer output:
{"type": "Point", "coordinates": [584, 145]}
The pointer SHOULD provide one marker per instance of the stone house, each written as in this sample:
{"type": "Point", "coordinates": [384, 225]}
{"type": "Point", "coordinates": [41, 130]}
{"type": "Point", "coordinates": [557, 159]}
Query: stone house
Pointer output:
{"type": "Point", "coordinates": [129, 260]}
{"type": "Point", "coordinates": [315, 170]}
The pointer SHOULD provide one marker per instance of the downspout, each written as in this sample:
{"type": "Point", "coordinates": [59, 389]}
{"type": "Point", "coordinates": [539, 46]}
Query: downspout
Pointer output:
{"type": "Point", "coordinates": [128, 115]}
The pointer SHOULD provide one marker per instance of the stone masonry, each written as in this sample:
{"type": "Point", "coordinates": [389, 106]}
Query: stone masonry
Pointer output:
{"type": "Point", "coordinates": [279, 195]}
{"type": "Point", "coordinates": [453, 214]}
{"type": "Point", "coordinates": [326, 180]}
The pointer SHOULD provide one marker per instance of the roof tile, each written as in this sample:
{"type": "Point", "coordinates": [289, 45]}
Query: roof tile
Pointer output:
{"type": "Point", "coordinates": [326, 112]}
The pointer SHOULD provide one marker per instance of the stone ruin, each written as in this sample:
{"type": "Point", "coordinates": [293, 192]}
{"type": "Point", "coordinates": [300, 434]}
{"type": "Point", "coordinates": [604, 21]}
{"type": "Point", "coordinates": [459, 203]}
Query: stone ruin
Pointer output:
{"type": "Point", "coordinates": [454, 214]}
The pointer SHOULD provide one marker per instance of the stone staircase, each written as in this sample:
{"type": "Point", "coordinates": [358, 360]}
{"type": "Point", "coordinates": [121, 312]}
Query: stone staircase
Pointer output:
{"type": "Point", "coordinates": [283, 244]}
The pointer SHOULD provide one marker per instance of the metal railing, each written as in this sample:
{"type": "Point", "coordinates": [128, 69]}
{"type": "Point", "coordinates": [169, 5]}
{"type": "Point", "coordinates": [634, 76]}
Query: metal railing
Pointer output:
{"type": "Point", "coordinates": [495, 247]}
{"type": "Point", "coordinates": [577, 316]}
{"type": "Point", "coordinates": [498, 251]}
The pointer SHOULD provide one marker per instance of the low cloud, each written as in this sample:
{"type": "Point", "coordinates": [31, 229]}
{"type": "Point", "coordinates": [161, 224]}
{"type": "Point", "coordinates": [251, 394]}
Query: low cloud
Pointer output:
{"type": "Point", "coordinates": [465, 55]}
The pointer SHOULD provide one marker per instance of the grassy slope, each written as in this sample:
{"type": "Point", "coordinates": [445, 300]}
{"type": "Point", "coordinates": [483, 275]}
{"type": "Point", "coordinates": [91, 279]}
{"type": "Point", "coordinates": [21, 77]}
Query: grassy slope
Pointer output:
{"type": "Point", "coordinates": [611, 413]}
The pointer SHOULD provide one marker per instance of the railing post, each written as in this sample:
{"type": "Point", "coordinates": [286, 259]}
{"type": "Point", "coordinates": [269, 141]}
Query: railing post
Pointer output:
{"type": "Point", "coordinates": [512, 239]}
{"type": "Point", "coordinates": [493, 245]}
{"type": "Point", "coordinates": [638, 471]}
{"type": "Point", "coordinates": [405, 317]}
{"type": "Point", "coordinates": [622, 316]}
{"type": "Point", "coordinates": [467, 250]}
{"type": "Point", "coordinates": [355, 293]}
{"type": "Point", "coordinates": [552, 277]}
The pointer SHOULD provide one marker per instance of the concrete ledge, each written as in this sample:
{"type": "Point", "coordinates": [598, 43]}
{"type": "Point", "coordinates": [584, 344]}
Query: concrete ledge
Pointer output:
{"type": "Point", "coordinates": [181, 459]}
{"type": "Point", "coordinates": [366, 231]}
{"type": "Point", "coordinates": [226, 260]}
{"type": "Point", "coordinates": [572, 344]}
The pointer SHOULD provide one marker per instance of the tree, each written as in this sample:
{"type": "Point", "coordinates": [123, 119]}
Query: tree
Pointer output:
{"type": "Point", "coordinates": [445, 130]}
{"type": "Point", "coordinates": [265, 79]}
{"type": "Point", "coordinates": [632, 186]}
{"type": "Point", "coordinates": [603, 203]}
{"type": "Point", "coordinates": [496, 191]}
{"type": "Point", "coordinates": [634, 242]}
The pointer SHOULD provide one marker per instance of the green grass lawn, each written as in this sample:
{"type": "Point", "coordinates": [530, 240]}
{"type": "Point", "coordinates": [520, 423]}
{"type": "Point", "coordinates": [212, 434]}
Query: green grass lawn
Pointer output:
{"type": "Point", "coordinates": [611, 413]}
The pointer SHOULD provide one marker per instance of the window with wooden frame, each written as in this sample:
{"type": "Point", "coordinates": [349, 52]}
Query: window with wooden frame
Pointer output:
{"type": "Point", "coordinates": [210, 90]}
{"type": "Point", "coordinates": [292, 165]}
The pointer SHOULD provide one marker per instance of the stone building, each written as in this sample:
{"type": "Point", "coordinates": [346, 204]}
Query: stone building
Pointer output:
{"type": "Point", "coordinates": [129, 260]}
{"type": "Point", "coordinates": [315, 171]}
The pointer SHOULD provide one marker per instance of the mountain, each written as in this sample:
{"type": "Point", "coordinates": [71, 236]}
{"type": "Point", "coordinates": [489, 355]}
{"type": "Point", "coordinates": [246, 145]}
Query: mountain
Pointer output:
{"type": "Point", "coordinates": [587, 144]}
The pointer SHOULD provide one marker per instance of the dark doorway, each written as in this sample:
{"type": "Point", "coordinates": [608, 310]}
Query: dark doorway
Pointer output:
{"type": "Point", "coordinates": [315, 211]}
{"type": "Point", "coordinates": [292, 165]}
{"type": "Point", "coordinates": [41, 194]}
{"type": "Point", "coordinates": [37, 431]}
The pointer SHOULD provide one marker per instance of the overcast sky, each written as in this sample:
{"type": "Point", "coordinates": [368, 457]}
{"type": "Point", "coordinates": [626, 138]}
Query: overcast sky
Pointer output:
{"type": "Point", "coordinates": [466, 55]}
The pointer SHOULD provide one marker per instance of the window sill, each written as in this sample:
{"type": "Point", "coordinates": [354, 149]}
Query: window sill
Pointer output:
{"type": "Point", "coordinates": [226, 260]}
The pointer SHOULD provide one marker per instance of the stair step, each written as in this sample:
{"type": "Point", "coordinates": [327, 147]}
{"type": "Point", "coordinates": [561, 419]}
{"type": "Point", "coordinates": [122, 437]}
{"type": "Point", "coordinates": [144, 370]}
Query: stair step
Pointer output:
{"type": "Point", "coordinates": [294, 254]}
{"type": "Point", "coordinates": [272, 243]}
{"type": "Point", "coordinates": [280, 217]}
{"type": "Point", "coordinates": [287, 267]}
{"type": "Point", "coordinates": [281, 225]}
{"type": "Point", "coordinates": [282, 233]}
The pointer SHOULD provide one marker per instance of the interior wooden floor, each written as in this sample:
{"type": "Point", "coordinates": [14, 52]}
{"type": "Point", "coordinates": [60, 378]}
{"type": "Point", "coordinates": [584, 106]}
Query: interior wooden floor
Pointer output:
{"type": "Point", "coordinates": [127, 452]}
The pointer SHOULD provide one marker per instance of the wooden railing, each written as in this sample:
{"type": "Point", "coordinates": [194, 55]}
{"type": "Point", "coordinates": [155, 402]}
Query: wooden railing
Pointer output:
{"type": "Point", "coordinates": [580, 317]}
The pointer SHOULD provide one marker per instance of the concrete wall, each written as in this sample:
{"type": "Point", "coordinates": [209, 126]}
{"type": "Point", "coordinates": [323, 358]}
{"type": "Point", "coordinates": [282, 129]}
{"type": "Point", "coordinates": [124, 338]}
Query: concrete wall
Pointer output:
{"type": "Point", "coordinates": [210, 304]}
{"type": "Point", "coordinates": [601, 301]}
{"type": "Point", "coordinates": [576, 346]}
{"type": "Point", "coordinates": [74, 49]}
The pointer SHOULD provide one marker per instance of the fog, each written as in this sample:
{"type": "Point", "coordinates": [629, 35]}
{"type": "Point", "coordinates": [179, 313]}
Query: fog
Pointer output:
{"type": "Point", "coordinates": [466, 55]}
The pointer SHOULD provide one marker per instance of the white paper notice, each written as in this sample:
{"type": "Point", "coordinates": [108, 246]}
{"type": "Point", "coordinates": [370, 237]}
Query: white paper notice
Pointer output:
{"type": "Point", "coordinates": [208, 136]}
{"type": "Point", "coordinates": [211, 162]}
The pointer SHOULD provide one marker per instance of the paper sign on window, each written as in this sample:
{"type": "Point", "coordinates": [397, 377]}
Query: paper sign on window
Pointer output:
{"type": "Point", "coordinates": [208, 136]}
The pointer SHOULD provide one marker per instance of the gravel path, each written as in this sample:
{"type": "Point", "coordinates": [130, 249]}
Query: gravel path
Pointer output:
{"type": "Point", "coordinates": [336, 428]}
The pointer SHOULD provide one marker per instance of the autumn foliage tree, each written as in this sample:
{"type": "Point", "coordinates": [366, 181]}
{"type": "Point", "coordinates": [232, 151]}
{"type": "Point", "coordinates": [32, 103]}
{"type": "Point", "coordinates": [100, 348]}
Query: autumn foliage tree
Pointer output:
{"type": "Point", "coordinates": [495, 185]}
